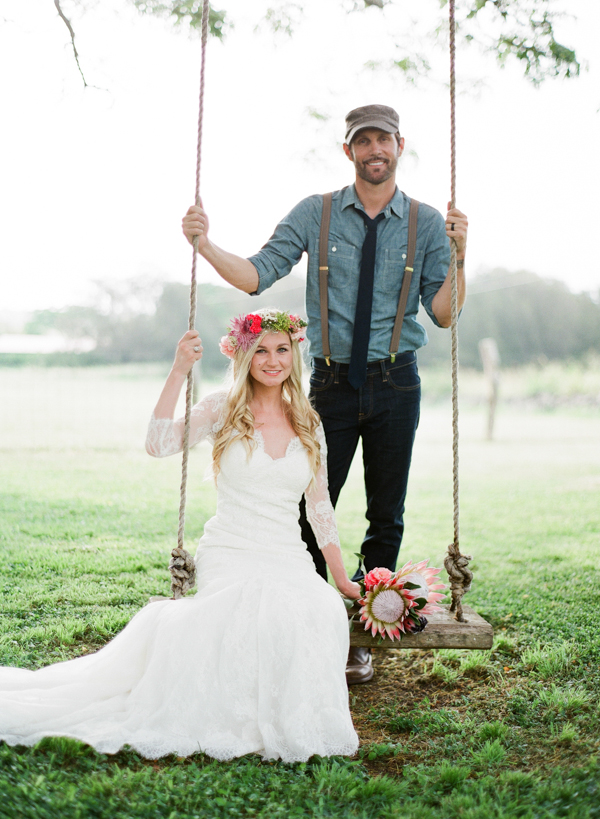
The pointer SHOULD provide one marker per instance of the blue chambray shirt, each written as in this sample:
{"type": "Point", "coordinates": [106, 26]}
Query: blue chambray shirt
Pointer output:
{"type": "Point", "coordinates": [298, 232]}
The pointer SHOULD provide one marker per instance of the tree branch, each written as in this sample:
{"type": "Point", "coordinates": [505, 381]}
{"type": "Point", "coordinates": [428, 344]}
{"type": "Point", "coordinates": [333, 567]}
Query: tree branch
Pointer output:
{"type": "Point", "coordinates": [67, 23]}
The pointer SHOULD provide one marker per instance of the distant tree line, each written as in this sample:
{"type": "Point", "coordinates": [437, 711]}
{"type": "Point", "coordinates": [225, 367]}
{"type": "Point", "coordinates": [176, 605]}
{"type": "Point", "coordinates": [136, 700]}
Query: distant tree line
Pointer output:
{"type": "Point", "coordinates": [531, 319]}
{"type": "Point", "coordinates": [142, 321]}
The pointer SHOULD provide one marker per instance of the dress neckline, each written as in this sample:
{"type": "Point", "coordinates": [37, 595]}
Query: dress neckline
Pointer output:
{"type": "Point", "coordinates": [260, 440]}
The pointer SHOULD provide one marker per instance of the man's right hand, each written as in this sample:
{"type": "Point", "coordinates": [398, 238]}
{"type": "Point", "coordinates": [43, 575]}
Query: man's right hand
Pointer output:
{"type": "Point", "coordinates": [236, 270]}
{"type": "Point", "coordinates": [195, 223]}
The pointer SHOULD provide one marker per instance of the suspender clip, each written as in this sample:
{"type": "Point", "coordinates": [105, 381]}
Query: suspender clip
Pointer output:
{"type": "Point", "coordinates": [324, 267]}
{"type": "Point", "coordinates": [328, 360]}
{"type": "Point", "coordinates": [409, 269]}
{"type": "Point", "coordinates": [393, 357]}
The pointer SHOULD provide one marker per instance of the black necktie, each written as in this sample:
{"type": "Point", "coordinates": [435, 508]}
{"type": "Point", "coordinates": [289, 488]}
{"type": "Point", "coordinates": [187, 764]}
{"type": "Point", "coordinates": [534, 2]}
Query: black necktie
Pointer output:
{"type": "Point", "coordinates": [357, 371]}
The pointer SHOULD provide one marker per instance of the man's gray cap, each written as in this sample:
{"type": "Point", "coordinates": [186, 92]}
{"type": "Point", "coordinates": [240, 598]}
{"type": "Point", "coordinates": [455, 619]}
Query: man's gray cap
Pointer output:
{"type": "Point", "coordinates": [371, 116]}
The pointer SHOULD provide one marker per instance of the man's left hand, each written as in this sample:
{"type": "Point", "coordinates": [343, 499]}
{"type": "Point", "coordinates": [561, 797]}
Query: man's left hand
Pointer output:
{"type": "Point", "coordinates": [456, 228]}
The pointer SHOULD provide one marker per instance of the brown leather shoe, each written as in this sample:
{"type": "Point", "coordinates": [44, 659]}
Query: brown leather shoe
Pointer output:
{"type": "Point", "coordinates": [359, 668]}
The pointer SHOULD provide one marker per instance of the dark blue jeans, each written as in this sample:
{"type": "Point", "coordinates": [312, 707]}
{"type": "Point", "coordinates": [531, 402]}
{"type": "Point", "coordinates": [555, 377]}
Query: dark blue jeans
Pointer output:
{"type": "Point", "coordinates": [385, 414]}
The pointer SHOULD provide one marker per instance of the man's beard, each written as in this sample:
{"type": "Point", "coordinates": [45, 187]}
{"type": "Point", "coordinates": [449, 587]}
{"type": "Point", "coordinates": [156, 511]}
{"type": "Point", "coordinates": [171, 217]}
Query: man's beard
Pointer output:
{"type": "Point", "coordinates": [363, 170]}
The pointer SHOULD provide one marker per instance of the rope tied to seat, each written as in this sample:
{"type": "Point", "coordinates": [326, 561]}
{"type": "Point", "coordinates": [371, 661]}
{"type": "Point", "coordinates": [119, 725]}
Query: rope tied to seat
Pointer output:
{"type": "Point", "coordinates": [181, 565]}
{"type": "Point", "coordinates": [456, 564]}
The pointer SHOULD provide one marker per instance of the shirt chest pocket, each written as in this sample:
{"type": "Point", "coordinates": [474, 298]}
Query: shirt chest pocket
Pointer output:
{"type": "Point", "coordinates": [344, 266]}
{"type": "Point", "coordinates": [389, 277]}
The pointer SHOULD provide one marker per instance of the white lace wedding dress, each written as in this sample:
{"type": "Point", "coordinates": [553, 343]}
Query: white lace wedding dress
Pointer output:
{"type": "Point", "coordinates": [253, 663]}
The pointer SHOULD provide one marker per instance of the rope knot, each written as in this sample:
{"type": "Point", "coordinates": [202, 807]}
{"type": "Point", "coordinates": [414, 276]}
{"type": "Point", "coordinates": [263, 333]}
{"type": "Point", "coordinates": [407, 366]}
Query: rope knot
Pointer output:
{"type": "Point", "coordinates": [183, 572]}
{"type": "Point", "coordinates": [456, 564]}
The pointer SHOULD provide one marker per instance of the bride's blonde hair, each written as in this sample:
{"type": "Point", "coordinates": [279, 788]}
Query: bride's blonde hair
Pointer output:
{"type": "Point", "coordinates": [239, 420]}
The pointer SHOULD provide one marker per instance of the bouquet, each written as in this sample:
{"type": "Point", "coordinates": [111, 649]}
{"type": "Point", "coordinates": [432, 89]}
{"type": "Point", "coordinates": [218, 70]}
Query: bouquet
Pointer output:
{"type": "Point", "coordinates": [395, 603]}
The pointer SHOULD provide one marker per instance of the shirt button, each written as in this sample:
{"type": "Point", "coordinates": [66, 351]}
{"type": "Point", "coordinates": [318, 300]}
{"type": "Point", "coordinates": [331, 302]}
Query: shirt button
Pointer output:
{"type": "Point", "coordinates": [404, 255]}
{"type": "Point", "coordinates": [333, 249]}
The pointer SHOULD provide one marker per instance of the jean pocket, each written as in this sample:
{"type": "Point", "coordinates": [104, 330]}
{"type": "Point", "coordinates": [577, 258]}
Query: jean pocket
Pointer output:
{"type": "Point", "coordinates": [404, 378]}
{"type": "Point", "coordinates": [320, 380]}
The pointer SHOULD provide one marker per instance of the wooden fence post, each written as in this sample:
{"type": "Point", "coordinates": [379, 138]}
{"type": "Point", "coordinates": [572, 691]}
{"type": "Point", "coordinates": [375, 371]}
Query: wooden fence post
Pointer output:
{"type": "Point", "coordinates": [490, 358]}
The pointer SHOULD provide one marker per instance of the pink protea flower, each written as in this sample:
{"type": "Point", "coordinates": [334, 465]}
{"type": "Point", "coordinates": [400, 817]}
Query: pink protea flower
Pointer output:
{"type": "Point", "coordinates": [375, 576]}
{"type": "Point", "coordinates": [390, 609]}
{"type": "Point", "coordinates": [386, 609]}
{"type": "Point", "coordinates": [427, 582]}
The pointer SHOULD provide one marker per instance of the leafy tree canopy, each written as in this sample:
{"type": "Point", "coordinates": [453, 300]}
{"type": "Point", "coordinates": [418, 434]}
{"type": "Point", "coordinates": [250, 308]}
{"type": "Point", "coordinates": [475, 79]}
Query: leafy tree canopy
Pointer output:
{"type": "Point", "coordinates": [524, 30]}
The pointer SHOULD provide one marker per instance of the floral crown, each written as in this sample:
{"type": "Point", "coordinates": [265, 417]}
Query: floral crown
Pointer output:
{"type": "Point", "coordinates": [245, 330]}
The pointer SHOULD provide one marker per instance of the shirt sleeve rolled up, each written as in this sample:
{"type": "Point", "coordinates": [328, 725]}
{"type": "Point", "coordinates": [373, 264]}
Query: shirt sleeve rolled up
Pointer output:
{"type": "Point", "coordinates": [286, 246]}
{"type": "Point", "coordinates": [435, 262]}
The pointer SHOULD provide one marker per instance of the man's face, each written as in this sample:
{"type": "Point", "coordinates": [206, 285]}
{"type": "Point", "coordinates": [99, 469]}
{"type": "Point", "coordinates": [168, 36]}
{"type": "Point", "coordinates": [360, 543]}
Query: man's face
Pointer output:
{"type": "Point", "coordinates": [375, 154]}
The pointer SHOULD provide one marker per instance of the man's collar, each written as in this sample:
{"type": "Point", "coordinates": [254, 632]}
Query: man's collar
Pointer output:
{"type": "Point", "coordinates": [396, 203]}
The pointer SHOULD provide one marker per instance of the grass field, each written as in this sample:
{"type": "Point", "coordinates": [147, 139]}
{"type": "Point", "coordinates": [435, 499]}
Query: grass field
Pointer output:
{"type": "Point", "coordinates": [87, 520]}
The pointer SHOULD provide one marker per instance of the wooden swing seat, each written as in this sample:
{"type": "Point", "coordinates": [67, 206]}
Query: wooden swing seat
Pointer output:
{"type": "Point", "coordinates": [441, 631]}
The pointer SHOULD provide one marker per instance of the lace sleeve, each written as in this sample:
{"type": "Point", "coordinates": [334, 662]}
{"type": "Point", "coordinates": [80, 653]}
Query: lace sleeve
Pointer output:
{"type": "Point", "coordinates": [319, 509]}
{"type": "Point", "coordinates": [165, 436]}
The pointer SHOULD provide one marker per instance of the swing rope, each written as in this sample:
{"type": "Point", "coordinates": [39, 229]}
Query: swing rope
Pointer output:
{"type": "Point", "coordinates": [455, 563]}
{"type": "Point", "coordinates": [181, 565]}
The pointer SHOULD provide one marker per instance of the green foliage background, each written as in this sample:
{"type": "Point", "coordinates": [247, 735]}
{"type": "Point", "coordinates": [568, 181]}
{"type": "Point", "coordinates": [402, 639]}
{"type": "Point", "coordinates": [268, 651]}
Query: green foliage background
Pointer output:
{"type": "Point", "coordinates": [532, 320]}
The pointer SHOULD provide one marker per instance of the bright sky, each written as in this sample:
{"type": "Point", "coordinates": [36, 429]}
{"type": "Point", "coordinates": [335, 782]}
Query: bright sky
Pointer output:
{"type": "Point", "coordinates": [94, 182]}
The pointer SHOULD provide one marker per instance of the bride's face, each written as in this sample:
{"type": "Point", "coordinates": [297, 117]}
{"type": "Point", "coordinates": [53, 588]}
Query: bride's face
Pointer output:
{"type": "Point", "coordinates": [272, 362]}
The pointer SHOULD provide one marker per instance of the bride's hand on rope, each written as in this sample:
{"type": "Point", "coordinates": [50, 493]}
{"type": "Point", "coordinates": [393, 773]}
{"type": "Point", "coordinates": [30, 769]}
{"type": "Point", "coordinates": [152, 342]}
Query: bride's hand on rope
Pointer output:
{"type": "Point", "coordinates": [189, 350]}
{"type": "Point", "coordinates": [456, 228]}
{"type": "Point", "coordinates": [195, 223]}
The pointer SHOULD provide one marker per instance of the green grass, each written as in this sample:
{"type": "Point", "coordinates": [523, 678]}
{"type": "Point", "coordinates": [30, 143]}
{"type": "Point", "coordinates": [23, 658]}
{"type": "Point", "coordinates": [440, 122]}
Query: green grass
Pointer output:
{"type": "Point", "coordinates": [63, 779]}
{"type": "Point", "coordinates": [87, 521]}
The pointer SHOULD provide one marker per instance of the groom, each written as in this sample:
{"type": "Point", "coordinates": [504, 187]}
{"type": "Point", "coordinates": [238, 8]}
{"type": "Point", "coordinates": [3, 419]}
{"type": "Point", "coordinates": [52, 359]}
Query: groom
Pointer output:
{"type": "Point", "coordinates": [364, 383]}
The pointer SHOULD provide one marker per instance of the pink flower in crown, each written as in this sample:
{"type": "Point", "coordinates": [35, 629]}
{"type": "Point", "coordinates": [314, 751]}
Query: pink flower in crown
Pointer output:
{"type": "Point", "coordinates": [297, 326]}
{"type": "Point", "coordinates": [228, 346]}
{"type": "Point", "coordinates": [242, 332]}
{"type": "Point", "coordinates": [375, 576]}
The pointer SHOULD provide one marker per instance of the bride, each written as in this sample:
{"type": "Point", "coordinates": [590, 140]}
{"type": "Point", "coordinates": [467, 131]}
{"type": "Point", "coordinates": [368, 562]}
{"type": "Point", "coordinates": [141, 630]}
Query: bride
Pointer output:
{"type": "Point", "coordinates": [255, 661]}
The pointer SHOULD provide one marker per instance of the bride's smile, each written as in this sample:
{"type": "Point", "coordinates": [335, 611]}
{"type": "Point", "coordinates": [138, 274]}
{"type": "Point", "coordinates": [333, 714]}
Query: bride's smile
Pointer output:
{"type": "Point", "coordinates": [272, 362]}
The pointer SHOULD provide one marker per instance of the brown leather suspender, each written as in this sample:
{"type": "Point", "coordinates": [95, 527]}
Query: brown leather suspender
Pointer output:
{"type": "Point", "coordinates": [323, 275]}
{"type": "Point", "coordinates": [406, 279]}
{"type": "Point", "coordinates": [324, 272]}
